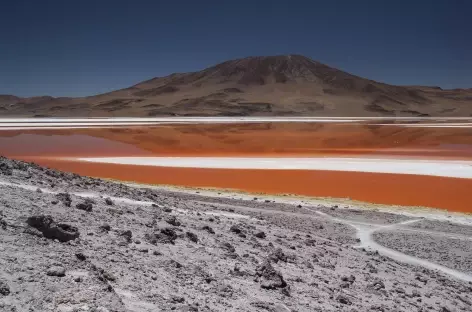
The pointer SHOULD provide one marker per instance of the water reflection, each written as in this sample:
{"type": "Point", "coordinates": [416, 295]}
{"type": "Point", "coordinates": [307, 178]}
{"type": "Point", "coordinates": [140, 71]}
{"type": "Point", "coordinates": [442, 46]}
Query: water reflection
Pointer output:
{"type": "Point", "coordinates": [262, 139]}
{"type": "Point", "coordinates": [277, 139]}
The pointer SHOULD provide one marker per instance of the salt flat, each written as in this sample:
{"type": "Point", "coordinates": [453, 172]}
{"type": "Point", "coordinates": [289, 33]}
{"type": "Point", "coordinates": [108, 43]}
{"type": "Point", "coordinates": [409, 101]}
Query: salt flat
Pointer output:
{"type": "Point", "coordinates": [68, 123]}
{"type": "Point", "coordinates": [442, 168]}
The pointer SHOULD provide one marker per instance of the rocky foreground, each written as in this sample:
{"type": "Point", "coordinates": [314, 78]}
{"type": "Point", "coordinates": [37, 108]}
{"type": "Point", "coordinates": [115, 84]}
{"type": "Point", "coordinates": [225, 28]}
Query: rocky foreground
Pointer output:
{"type": "Point", "coordinates": [72, 243]}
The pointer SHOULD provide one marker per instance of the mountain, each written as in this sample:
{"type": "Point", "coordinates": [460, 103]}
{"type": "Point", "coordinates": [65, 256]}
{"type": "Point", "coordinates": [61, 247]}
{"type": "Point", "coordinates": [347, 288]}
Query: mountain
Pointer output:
{"type": "Point", "coordinates": [255, 86]}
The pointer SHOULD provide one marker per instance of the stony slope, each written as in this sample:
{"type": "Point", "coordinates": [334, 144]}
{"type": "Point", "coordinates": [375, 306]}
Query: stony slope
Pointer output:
{"type": "Point", "coordinates": [255, 86]}
{"type": "Point", "coordinates": [71, 243]}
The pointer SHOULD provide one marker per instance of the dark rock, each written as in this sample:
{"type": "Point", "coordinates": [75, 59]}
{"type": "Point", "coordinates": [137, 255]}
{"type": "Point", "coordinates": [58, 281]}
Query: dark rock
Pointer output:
{"type": "Point", "coordinates": [344, 299]}
{"type": "Point", "coordinates": [165, 236]}
{"type": "Point", "coordinates": [142, 249]}
{"type": "Point", "coordinates": [108, 201]}
{"type": "Point", "coordinates": [65, 199]}
{"type": "Point", "coordinates": [286, 291]}
{"type": "Point", "coordinates": [350, 279]}
{"type": "Point", "coordinates": [208, 229]}
{"type": "Point", "coordinates": [176, 299]}
{"type": "Point", "coordinates": [235, 229]}
{"type": "Point", "coordinates": [167, 210]}
{"type": "Point", "coordinates": [173, 264]}
{"type": "Point", "coordinates": [108, 276]}
{"type": "Point", "coordinates": [6, 169]}
{"type": "Point", "coordinates": [86, 206]}
{"type": "Point", "coordinates": [269, 277]}
{"type": "Point", "coordinates": [278, 255]}
{"type": "Point", "coordinates": [262, 306]}
{"type": "Point", "coordinates": [56, 271]}
{"type": "Point", "coordinates": [172, 220]}
{"type": "Point", "coordinates": [105, 227]}
{"type": "Point", "coordinates": [4, 288]}
{"type": "Point", "coordinates": [127, 235]}
{"type": "Point", "coordinates": [169, 232]}
{"type": "Point", "coordinates": [192, 236]}
{"type": "Point", "coordinates": [46, 225]}
{"type": "Point", "coordinates": [3, 224]}
{"type": "Point", "coordinates": [237, 270]}
{"type": "Point", "coordinates": [399, 290]}
{"type": "Point", "coordinates": [228, 247]}
{"type": "Point", "coordinates": [377, 285]}
{"type": "Point", "coordinates": [421, 278]}
{"type": "Point", "coordinates": [80, 256]}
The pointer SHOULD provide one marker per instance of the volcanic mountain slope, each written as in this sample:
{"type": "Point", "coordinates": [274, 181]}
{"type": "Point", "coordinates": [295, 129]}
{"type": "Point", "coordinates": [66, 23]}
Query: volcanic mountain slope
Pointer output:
{"type": "Point", "coordinates": [286, 85]}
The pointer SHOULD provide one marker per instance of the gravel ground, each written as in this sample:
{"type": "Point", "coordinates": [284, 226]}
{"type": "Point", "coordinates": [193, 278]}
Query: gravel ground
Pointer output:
{"type": "Point", "coordinates": [451, 252]}
{"type": "Point", "coordinates": [137, 249]}
{"type": "Point", "coordinates": [443, 226]}
{"type": "Point", "coordinates": [361, 215]}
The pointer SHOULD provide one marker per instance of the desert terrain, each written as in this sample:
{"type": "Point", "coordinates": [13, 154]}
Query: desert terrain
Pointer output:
{"type": "Point", "coordinates": [72, 243]}
{"type": "Point", "coordinates": [285, 85]}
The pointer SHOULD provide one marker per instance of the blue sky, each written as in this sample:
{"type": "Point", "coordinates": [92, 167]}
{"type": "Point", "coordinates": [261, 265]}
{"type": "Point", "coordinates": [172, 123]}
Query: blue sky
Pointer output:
{"type": "Point", "coordinates": [78, 48]}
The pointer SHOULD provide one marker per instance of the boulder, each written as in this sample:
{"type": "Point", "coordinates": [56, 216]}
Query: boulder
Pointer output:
{"type": "Point", "coordinates": [192, 236]}
{"type": "Point", "coordinates": [86, 206]}
{"type": "Point", "coordinates": [172, 220]}
{"type": "Point", "coordinates": [65, 199]}
{"type": "Point", "coordinates": [52, 230]}
{"type": "Point", "coordinates": [269, 277]}
{"type": "Point", "coordinates": [56, 271]}
{"type": "Point", "coordinates": [208, 229]}
{"type": "Point", "coordinates": [4, 288]}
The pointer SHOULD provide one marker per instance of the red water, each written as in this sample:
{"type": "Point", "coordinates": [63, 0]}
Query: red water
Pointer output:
{"type": "Point", "coordinates": [279, 140]}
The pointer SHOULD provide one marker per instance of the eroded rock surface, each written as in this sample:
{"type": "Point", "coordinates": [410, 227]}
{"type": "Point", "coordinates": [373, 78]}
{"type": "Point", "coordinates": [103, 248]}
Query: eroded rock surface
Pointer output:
{"type": "Point", "coordinates": [174, 251]}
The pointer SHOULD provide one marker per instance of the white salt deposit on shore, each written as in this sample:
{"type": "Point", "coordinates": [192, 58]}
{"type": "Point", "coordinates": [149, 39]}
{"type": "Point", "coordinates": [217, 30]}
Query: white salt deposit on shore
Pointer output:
{"type": "Point", "coordinates": [442, 168]}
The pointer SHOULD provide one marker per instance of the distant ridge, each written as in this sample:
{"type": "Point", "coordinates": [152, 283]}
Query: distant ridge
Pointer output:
{"type": "Point", "coordinates": [282, 85]}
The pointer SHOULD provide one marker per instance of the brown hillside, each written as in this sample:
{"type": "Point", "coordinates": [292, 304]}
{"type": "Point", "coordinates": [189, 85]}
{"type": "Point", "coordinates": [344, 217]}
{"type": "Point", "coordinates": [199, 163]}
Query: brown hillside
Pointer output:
{"type": "Point", "coordinates": [288, 85]}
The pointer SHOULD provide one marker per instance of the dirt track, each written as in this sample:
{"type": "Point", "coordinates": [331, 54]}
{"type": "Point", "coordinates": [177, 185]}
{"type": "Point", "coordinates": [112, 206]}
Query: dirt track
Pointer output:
{"type": "Point", "coordinates": [155, 250]}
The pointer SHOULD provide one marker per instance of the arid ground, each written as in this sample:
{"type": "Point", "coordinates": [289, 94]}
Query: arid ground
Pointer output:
{"type": "Point", "coordinates": [72, 243]}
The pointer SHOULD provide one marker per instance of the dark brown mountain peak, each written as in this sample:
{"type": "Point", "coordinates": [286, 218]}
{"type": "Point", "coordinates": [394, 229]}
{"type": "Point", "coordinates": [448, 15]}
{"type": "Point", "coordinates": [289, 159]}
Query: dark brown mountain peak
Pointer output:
{"type": "Point", "coordinates": [258, 70]}
{"type": "Point", "coordinates": [261, 70]}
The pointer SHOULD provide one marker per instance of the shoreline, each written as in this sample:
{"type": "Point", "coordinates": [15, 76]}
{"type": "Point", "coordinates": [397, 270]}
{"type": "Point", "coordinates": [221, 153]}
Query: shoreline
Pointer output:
{"type": "Point", "coordinates": [295, 200]}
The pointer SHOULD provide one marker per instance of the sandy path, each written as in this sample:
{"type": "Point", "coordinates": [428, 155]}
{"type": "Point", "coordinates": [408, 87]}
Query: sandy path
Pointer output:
{"type": "Point", "coordinates": [365, 234]}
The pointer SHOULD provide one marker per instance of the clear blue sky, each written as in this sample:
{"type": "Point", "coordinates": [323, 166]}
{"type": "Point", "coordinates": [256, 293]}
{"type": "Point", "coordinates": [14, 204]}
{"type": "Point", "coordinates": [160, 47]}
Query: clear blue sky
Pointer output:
{"type": "Point", "coordinates": [85, 47]}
